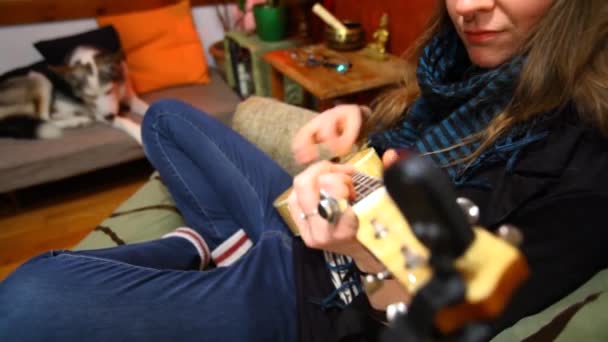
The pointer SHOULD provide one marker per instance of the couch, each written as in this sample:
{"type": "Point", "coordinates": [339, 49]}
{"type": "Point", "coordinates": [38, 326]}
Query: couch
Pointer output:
{"type": "Point", "coordinates": [26, 163]}
{"type": "Point", "coordinates": [270, 124]}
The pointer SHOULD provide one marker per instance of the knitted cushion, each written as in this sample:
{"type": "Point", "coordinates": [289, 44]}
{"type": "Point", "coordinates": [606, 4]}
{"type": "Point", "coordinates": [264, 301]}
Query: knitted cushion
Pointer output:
{"type": "Point", "coordinates": [271, 125]}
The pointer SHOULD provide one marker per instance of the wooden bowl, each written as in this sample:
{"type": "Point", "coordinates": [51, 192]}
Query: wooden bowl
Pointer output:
{"type": "Point", "coordinates": [352, 39]}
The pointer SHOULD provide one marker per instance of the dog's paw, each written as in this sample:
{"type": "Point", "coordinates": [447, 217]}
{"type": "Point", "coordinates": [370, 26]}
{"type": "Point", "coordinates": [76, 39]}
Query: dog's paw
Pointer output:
{"type": "Point", "coordinates": [48, 131]}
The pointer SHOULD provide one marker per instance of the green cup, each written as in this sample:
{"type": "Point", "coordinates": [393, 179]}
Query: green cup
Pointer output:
{"type": "Point", "coordinates": [270, 22]}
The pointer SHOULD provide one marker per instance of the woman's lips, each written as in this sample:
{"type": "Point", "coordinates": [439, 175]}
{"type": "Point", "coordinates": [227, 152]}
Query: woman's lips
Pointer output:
{"type": "Point", "coordinates": [480, 36]}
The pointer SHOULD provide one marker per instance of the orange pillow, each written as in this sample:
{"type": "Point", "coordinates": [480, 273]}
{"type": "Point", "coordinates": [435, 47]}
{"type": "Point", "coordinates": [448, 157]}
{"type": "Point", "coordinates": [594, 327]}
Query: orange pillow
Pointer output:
{"type": "Point", "coordinates": [162, 46]}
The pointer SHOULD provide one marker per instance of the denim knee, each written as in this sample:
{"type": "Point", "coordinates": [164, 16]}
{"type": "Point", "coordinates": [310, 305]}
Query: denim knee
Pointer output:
{"type": "Point", "coordinates": [25, 291]}
{"type": "Point", "coordinates": [156, 109]}
{"type": "Point", "coordinates": [167, 115]}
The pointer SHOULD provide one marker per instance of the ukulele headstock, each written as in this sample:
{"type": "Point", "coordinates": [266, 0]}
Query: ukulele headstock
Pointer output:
{"type": "Point", "coordinates": [434, 229]}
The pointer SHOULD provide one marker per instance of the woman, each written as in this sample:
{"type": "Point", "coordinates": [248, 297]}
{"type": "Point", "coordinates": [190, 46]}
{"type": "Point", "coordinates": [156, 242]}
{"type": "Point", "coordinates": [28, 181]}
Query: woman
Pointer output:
{"type": "Point", "coordinates": [269, 286]}
{"type": "Point", "coordinates": [515, 112]}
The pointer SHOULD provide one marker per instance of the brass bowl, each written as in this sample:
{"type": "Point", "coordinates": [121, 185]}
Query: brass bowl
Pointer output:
{"type": "Point", "coordinates": [352, 39]}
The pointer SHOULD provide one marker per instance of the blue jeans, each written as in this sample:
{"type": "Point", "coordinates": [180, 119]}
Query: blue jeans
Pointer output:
{"type": "Point", "coordinates": [150, 291]}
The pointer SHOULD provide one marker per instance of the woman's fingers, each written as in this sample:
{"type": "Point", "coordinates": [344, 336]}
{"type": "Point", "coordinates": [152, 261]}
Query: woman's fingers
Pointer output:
{"type": "Point", "coordinates": [307, 185]}
{"type": "Point", "coordinates": [336, 180]}
{"type": "Point", "coordinates": [304, 144]}
{"type": "Point", "coordinates": [338, 185]}
{"type": "Point", "coordinates": [342, 133]}
{"type": "Point", "coordinates": [389, 158]}
{"type": "Point", "coordinates": [296, 216]}
{"type": "Point", "coordinates": [336, 128]}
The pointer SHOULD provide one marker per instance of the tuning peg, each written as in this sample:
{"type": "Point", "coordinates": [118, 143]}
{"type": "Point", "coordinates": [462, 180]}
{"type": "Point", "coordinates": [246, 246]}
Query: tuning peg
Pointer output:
{"type": "Point", "coordinates": [469, 208]}
{"type": "Point", "coordinates": [510, 234]}
{"type": "Point", "coordinates": [395, 310]}
{"type": "Point", "coordinates": [380, 231]}
{"type": "Point", "coordinates": [412, 259]}
{"type": "Point", "coordinates": [373, 282]}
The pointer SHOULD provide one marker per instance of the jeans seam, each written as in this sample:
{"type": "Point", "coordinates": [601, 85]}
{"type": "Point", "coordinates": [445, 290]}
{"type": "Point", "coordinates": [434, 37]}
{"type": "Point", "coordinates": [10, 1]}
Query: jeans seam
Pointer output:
{"type": "Point", "coordinates": [247, 180]}
{"type": "Point", "coordinates": [178, 176]}
{"type": "Point", "coordinates": [111, 261]}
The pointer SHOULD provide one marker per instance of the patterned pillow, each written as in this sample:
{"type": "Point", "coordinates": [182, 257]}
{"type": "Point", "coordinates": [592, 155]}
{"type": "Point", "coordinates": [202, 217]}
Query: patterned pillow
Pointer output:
{"type": "Point", "coordinates": [579, 316]}
{"type": "Point", "coordinates": [149, 214]}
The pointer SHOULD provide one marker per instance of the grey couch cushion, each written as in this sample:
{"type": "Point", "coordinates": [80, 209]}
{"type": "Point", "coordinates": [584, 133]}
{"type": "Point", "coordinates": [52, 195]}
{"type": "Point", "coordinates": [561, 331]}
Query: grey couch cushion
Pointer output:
{"type": "Point", "coordinates": [215, 98]}
{"type": "Point", "coordinates": [30, 162]}
{"type": "Point", "coordinates": [25, 163]}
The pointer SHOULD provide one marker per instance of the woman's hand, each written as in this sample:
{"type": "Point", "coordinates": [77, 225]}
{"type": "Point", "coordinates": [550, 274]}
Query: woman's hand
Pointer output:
{"type": "Point", "coordinates": [318, 233]}
{"type": "Point", "coordinates": [341, 238]}
{"type": "Point", "coordinates": [390, 157]}
{"type": "Point", "coordinates": [336, 128]}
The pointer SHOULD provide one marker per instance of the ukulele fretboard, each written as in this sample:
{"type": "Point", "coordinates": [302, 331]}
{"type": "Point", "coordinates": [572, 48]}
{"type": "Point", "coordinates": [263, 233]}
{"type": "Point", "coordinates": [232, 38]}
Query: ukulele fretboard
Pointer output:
{"type": "Point", "coordinates": [365, 185]}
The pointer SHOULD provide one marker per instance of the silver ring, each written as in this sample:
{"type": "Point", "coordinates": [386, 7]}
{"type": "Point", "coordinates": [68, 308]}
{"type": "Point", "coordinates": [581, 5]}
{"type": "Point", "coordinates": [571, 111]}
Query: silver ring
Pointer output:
{"type": "Point", "coordinates": [304, 216]}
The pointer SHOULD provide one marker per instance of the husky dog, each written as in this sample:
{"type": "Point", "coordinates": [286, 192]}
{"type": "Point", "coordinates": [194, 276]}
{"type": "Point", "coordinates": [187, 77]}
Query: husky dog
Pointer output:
{"type": "Point", "coordinates": [25, 103]}
{"type": "Point", "coordinates": [95, 88]}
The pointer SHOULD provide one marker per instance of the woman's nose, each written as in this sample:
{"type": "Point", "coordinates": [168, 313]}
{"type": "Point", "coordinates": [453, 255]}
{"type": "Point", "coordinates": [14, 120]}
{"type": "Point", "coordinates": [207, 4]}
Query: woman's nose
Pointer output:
{"type": "Point", "coordinates": [468, 8]}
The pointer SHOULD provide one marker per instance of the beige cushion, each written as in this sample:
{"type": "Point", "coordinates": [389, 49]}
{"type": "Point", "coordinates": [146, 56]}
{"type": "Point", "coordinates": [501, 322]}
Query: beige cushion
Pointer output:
{"type": "Point", "coordinates": [271, 125]}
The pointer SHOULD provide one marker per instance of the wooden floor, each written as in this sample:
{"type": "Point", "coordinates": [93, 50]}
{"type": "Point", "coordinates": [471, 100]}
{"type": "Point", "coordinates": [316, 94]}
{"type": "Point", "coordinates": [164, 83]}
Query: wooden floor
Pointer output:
{"type": "Point", "coordinates": [60, 214]}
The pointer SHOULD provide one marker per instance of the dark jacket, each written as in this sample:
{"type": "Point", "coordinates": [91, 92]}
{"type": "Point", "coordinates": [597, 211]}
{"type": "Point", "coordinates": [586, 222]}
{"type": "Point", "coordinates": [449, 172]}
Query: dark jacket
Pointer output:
{"type": "Point", "coordinates": [556, 194]}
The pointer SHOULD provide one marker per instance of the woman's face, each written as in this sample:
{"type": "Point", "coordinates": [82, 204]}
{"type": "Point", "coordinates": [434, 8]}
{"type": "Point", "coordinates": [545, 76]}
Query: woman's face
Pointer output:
{"type": "Point", "coordinates": [493, 30]}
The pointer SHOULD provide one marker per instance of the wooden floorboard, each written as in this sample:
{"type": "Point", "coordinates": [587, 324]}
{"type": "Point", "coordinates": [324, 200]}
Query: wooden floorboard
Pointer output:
{"type": "Point", "coordinates": [58, 215]}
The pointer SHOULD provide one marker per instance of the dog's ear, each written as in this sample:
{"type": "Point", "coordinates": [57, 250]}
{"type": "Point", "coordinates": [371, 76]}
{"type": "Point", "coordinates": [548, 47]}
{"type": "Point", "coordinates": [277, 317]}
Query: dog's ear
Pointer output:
{"type": "Point", "coordinates": [75, 74]}
{"type": "Point", "coordinates": [109, 66]}
{"type": "Point", "coordinates": [58, 69]}
{"type": "Point", "coordinates": [110, 58]}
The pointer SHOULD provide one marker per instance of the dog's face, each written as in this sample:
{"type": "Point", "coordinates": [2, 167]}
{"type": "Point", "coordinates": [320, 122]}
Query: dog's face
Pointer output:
{"type": "Point", "coordinates": [97, 78]}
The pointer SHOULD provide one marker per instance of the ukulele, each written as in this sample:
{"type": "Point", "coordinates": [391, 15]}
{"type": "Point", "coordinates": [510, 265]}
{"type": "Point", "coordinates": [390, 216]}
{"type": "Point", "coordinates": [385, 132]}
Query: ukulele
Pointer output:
{"type": "Point", "coordinates": [490, 267]}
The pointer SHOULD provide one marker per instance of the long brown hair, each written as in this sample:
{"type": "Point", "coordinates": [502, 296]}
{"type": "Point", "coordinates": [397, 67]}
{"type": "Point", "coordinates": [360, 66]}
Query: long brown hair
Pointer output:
{"type": "Point", "coordinates": [567, 63]}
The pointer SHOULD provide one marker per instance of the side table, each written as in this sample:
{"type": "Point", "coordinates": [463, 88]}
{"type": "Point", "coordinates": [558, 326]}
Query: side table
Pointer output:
{"type": "Point", "coordinates": [326, 84]}
{"type": "Point", "coordinates": [258, 70]}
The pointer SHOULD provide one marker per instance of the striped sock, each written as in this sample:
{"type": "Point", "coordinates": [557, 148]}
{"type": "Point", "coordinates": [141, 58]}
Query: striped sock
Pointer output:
{"type": "Point", "coordinates": [195, 239]}
{"type": "Point", "coordinates": [232, 249]}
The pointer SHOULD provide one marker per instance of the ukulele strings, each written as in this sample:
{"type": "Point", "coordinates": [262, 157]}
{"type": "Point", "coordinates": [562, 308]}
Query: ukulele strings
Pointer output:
{"type": "Point", "coordinates": [365, 185]}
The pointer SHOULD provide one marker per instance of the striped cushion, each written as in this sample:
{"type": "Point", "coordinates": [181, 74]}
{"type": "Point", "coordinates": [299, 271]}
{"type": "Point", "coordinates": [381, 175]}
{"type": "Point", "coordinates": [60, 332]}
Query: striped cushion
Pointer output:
{"type": "Point", "coordinates": [149, 214]}
{"type": "Point", "coordinates": [580, 316]}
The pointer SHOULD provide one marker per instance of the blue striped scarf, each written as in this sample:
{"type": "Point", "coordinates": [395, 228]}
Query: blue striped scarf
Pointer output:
{"type": "Point", "coordinates": [458, 100]}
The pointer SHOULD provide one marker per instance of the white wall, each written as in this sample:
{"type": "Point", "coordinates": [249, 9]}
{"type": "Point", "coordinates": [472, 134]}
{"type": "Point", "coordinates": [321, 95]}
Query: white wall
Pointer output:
{"type": "Point", "coordinates": [16, 47]}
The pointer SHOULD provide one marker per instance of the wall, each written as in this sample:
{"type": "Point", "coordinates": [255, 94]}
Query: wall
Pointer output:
{"type": "Point", "coordinates": [16, 41]}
